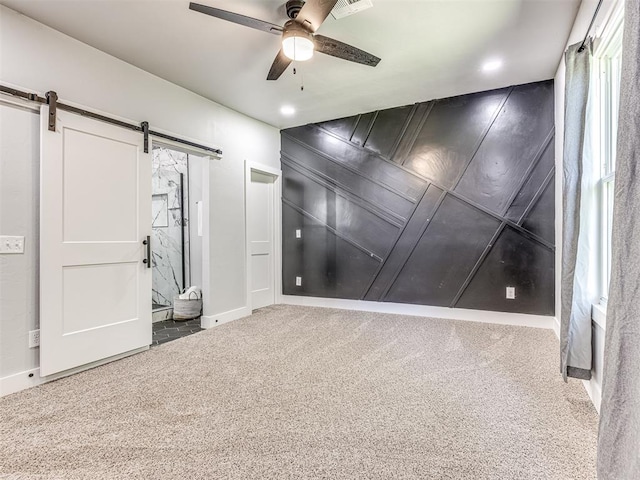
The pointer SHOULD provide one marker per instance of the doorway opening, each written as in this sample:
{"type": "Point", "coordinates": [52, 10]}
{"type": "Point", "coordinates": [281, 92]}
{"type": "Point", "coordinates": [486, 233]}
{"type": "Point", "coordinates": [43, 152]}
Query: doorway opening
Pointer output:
{"type": "Point", "coordinates": [176, 244]}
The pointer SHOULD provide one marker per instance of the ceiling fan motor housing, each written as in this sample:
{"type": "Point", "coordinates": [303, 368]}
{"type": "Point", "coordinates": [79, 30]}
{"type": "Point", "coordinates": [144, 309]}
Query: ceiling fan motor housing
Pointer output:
{"type": "Point", "coordinates": [292, 28]}
{"type": "Point", "coordinates": [293, 8]}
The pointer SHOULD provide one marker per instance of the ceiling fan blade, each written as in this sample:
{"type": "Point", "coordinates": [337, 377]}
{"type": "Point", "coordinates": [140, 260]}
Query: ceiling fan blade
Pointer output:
{"type": "Point", "coordinates": [332, 47]}
{"type": "Point", "coordinates": [279, 65]}
{"type": "Point", "coordinates": [237, 18]}
{"type": "Point", "coordinates": [314, 12]}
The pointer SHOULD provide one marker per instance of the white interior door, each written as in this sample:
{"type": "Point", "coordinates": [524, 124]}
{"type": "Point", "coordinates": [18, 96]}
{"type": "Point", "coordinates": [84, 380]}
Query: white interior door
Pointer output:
{"type": "Point", "coordinates": [260, 219]}
{"type": "Point", "coordinates": [95, 212]}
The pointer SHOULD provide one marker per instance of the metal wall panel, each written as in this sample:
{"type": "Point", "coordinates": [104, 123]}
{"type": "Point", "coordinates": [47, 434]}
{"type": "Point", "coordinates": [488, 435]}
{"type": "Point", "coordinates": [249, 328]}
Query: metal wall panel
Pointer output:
{"type": "Point", "coordinates": [363, 127]}
{"type": "Point", "coordinates": [328, 265]}
{"type": "Point", "coordinates": [451, 134]}
{"type": "Point", "coordinates": [361, 161]}
{"type": "Point", "coordinates": [534, 183]}
{"type": "Point", "coordinates": [515, 261]}
{"type": "Point", "coordinates": [408, 239]}
{"type": "Point", "coordinates": [343, 127]}
{"type": "Point", "coordinates": [346, 179]}
{"type": "Point", "coordinates": [538, 220]}
{"type": "Point", "coordinates": [336, 210]}
{"type": "Point", "coordinates": [387, 129]}
{"type": "Point", "coordinates": [455, 203]}
{"type": "Point", "coordinates": [510, 147]}
{"type": "Point", "coordinates": [445, 255]}
{"type": "Point", "coordinates": [418, 117]}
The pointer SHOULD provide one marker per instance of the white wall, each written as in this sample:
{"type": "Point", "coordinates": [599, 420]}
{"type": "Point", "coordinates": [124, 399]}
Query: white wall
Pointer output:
{"type": "Point", "coordinates": [580, 27]}
{"type": "Point", "coordinates": [19, 174]}
{"type": "Point", "coordinates": [38, 58]}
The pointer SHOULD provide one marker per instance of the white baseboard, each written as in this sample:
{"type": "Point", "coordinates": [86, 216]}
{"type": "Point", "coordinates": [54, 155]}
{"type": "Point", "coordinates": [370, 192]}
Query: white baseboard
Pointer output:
{"type": "Point", "coordinates": [594, 391]}
{"type": "Point", "coordinates": [209, 321]}
{"type": "Point", "coordinates": [556, 327]}
{"type": "Point", "coordinates": [501, 318]}
{"type": "Point", "coordinates": [31, 378]}
{"type": "Point", "coordinates": [20, 381]}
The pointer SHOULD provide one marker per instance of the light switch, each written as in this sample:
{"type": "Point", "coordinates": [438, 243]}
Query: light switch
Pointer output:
{"type": "Point", "coordinates": [11, 244]}
{"type": "Point", "coordinates": [298, 233]}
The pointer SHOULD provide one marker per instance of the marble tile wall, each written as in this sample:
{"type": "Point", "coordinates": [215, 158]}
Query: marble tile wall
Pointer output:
{"type": "Point", "coordinates": [166, 242]}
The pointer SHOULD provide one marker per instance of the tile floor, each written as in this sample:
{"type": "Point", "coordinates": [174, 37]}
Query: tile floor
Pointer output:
{"type": "Point", "coordinates": [168, 330]}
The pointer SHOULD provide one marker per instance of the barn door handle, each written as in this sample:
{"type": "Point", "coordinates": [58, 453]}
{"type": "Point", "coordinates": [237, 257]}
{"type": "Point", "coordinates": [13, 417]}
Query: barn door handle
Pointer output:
{"type": "Point", "coordinates": [147, 242]}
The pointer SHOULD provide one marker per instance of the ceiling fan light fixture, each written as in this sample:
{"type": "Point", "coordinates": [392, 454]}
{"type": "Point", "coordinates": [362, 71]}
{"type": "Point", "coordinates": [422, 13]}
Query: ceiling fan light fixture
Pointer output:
{"type": "Point", "coordinates": [297, 43]}
{"type": "Point", "coordinates": [298, 40]}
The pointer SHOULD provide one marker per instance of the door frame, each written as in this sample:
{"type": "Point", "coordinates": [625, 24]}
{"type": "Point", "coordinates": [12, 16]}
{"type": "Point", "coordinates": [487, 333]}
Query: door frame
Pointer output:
{"type": "Point", "coordinates": [206, 186]}
{"type": "Point", "coordinates": [277, 230]}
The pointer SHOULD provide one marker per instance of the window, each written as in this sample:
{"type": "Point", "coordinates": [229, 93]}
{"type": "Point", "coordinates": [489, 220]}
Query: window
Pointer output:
{"type": "Point", "coordinates": [607, 58]}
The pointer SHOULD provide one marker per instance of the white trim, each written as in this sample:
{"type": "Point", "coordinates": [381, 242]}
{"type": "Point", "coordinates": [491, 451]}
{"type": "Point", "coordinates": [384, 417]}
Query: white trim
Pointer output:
{"type": "Point", "coordinates": [556, 327]}
{"type": "Point", "coordinates": [500, 318]}
{"type": "Point", "coordinates": [610, 27]}
{"type": "Point", "coordinates": [591, 386]}
{"type": "Point", "coordinates": [21, 381]}
{"type": "Point", "coordinates": [277, 229]}
{"type": "Point", "coordinates": [277, 237]}
{"type": "Point", "coordinates": [599, 315]}
{"type": "Point", "coordinates": [210, 321]}
{"type": "Point", "coordinates": [206, 237]}
{"type": "Point", "coordinates": [594, 391]}
{"type": "Point", "coordinates": [258, 167]}
{"type": "Point", "coordinates": [206, 188]}
{"type": "Point", "coordinates": [559, 82]}
{"type": "Point", "coordinates": [605, 84]}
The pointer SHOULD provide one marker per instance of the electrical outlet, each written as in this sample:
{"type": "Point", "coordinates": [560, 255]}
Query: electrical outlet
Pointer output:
{"type": "Point", "coordinates": [298, 281]}
{"type": "Point", "coordinates": [34, 338]}
{"type": "Point", "coordinates": [298, 233]}
{"type": "Point", "coordinates": [511, 293]}
{"type": "Point", "coordinates": [10, 244]}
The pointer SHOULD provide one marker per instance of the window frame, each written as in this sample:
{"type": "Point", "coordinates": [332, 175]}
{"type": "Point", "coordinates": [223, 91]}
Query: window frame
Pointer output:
{"type": "Point", "coordinates": [607, 71]}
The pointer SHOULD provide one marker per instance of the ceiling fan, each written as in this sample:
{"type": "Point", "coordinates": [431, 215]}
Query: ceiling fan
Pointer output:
{"type": "Point", "coordinates": [299, 40]}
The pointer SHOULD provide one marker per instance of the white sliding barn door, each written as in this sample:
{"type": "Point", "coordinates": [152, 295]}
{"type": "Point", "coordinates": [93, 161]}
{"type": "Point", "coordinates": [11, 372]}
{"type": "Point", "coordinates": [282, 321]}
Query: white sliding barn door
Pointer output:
{"type": "Point", "coordinates": [95, 212]}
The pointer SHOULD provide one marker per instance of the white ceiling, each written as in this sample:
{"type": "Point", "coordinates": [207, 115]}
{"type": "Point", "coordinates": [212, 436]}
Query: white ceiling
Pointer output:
{"type": "Point", "coordinates": [429, 49]}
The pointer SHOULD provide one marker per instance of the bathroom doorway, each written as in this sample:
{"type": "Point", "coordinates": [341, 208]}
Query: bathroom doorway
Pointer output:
{"type": "Point", "coordinates": [176, 243]}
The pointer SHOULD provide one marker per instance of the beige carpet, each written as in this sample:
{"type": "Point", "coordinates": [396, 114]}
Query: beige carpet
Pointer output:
{"type": "Point", "coordinates": [296, 392]}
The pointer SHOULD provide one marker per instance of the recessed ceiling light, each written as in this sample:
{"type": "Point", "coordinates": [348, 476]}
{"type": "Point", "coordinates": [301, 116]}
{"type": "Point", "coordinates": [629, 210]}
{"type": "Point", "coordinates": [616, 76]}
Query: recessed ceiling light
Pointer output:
{"type": "Point", "coordinates": [287, 110]}
{"type": "Point", "coordinates": [492, 66]}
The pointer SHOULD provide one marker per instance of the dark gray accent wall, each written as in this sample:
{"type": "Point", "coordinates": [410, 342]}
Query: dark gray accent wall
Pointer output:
{"type": "Point", "coordinates": [441, 203]}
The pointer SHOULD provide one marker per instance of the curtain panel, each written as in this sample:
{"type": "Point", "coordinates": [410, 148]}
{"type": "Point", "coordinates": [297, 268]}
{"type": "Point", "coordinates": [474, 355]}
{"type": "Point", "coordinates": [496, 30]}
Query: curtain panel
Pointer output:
{"type": "Point", "coordinates": [575, 327]}
{"type": "Point", "coordinates": [619, 434]}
